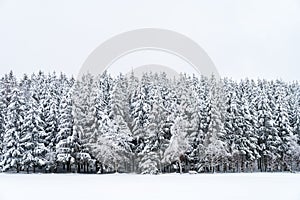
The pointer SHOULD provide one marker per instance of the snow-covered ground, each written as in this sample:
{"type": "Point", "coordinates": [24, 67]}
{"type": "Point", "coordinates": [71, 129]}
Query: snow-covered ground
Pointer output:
{"type": "Point", "coordinates": [254, 186]}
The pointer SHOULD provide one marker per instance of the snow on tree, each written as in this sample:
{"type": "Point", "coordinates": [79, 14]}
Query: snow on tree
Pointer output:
{"type": "Point", "coordinates": [63, 140]}
{"type": "Point", "coordinates": [267, 132]}
{"type": "Point", "coordinates": [287, 142]}
{"type": "Point", "coordinates": [178, 143]}
{"type": "Point", "coordinates": [104, 85]}
{"type": "Point", "coordinates": [85, 118]}
{"type": "Point", "coordinates": [51, 110]}
{"type": "Point", "coordinates": [197, 154]}
{"type": "Point", "coordinates": [240, 129]}
{"type": "Point", "coordinates": [112, 144]}
{"type": "Point", "coordinates": [2, 115]}
{"type": "Point", "coordinates": [153, 125]}
{"type": "Point", "coordinates": [106, 152]}
{"type": "Point", "coordinates": [13, 150]}
{"type": "Point", "coordinates": [118, 114]}
{"type": "Point", "coordinates": [150, 155]}
{"type": "Point", "coordinates": [32, 132]}
{"type": "Point", "coordinates": [65, 118]}
{"type": "Point", "coordinates": [216, 149]}
{"type": "Point", "coordinates": [294, 108]}
{"type": "Point", "coordinates": [140, 108]}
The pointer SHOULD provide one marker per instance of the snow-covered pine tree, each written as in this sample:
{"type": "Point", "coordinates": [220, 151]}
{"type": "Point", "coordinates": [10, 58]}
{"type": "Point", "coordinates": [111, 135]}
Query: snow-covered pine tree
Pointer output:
{"type": "Point", "coordinates": [104, 85]}
{"type": "Point", "coordinates": [198, 150]}
{"type": "Point", "coordinates": [140, 108]}
{"type": "Point", "coordinates": [296, 126]}
{"type": "Point", "coordinates": [2, 114]}
{"type": "Point", "coordinates": [12, 148]}
{"type": "Point", "coordinates": [186, 89]}
{"type": "Point", "coordinates": [294, 108]}
{"type": "Point", "coordinates": [85, 120]}
{"type": "Point", "coordinates": [216, 148]}
{"type": "Point", "coordinates": [34, 154]}
{"type": "Point", "coordinates": [178, 143]}
{"type": "Point", "coordinates": [267, 132]}
{"type": "Point", "coordinates": [65, 118]}
{"type": "Point", "coordinates": [7, 84]}
{"type": "Point", "coordinates": [63, 137]}
{"type": "Point", "coordinates": [32, 129]}
{"type": "Point", "coordinates": [287, 142]}
{"type": "Point", "coordinates": [240, 129]}
{"type": "Point", "coordinates": [119, 112]}
{"type": "Point", "coordinates": [50, 104]}
{"type": "Point", "coordinates": [167, 104]}
{"type": "Point", "coordinates": [150, 162]}
{"type": "Point", "coordinates": [65, 103]}
{"type": "Point", "coordinates": [106, 149]}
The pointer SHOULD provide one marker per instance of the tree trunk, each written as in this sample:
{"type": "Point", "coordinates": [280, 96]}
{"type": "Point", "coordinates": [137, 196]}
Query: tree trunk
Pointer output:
{"type": "Point", "coordinates": [97, 166]}
{"type": "Point", "coordinates": [102, 169]}
{"type": "Point", "coordinates": [180, 167]}
{"type": "Point", "coordinates": [78, 167]}
{"type": "Point", "coordinates": [69, 165]}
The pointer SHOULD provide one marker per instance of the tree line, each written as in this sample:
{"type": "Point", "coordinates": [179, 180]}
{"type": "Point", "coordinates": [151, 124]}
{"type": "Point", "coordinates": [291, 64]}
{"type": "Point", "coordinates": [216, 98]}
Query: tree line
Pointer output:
{"type": "Point", "coordinates": [148, 125]}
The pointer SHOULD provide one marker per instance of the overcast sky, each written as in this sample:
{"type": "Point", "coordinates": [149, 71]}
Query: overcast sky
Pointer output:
{"type": "Point", "coordinates": [243, 38]}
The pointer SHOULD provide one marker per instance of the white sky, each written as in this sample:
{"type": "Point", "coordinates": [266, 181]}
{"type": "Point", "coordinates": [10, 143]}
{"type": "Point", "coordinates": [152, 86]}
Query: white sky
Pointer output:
{"type": "Point", "coordinates": [243, 38]}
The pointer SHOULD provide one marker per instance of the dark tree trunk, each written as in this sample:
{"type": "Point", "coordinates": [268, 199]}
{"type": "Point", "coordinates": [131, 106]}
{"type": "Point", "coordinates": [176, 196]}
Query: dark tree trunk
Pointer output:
{"type": "Point", "coordinates": [97, 166]}
{"type": "Point", "coordinates": [102, 169]}
{"type": "Point", "coordinates": [78, 167]}
{"type": "Point", "coordinates": [69, 165]}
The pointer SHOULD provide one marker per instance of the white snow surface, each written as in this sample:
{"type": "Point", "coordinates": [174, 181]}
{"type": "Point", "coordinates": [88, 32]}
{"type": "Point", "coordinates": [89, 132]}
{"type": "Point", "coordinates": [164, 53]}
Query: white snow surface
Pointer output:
{"type": "Point", "coordinates": [248, 186]}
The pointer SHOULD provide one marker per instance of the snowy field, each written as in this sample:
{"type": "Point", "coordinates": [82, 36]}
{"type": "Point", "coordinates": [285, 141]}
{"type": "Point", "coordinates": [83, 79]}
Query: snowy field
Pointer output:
{"type": "Point", "coordinates": [254, 186]}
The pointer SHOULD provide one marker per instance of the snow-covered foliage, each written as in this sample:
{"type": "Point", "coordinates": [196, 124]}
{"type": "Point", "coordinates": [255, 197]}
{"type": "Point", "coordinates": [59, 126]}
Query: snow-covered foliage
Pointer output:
{"type": "Point", "coordinates": [51, 123]}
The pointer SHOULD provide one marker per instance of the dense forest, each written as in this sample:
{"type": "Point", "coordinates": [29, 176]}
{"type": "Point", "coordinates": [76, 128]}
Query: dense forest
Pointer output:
{"type": "Point", "coordinates": [54, 123]}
